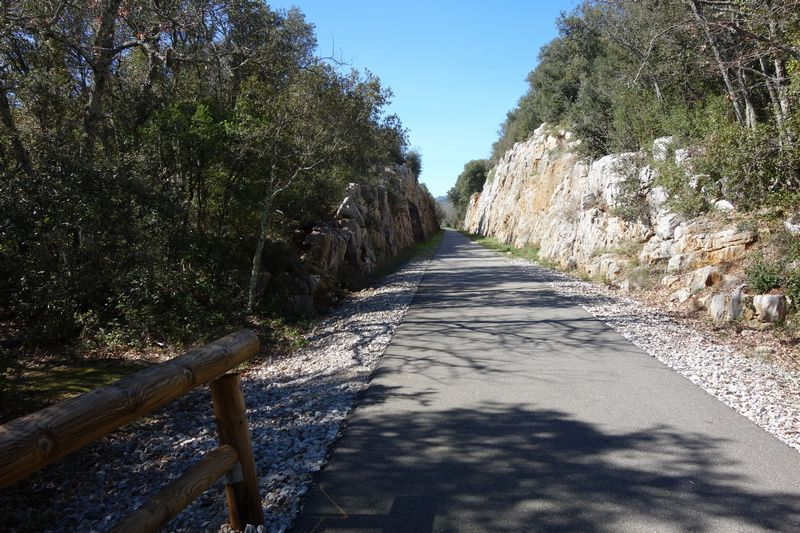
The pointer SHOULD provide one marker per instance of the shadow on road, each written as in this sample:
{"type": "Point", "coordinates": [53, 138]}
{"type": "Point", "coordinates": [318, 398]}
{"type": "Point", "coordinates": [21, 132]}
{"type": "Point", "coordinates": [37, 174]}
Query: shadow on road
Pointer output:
{"type": "Point", "coordinates": [518, 469]}
{"type": "Point", "coordinates": [408, 464]}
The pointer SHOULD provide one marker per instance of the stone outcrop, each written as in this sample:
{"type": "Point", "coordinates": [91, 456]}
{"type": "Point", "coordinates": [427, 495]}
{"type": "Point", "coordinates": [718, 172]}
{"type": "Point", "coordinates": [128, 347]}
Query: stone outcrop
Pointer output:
{"type": "Point", "coordinates": [373, 224]}
{"type": "Point", "coordinates": [543, 194]}
{"type": "Point", "coordinates": [770, 307]}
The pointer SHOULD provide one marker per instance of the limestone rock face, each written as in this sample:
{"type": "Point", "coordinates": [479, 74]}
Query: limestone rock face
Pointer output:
{"type": "Point", "coordinates": [373, 223]}
{"type": "Point", "coordinates": [541, 193]}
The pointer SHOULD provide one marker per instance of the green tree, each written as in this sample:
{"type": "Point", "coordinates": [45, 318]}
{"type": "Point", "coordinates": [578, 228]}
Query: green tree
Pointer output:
{"type": "Point", "coordinates": [471, 180]}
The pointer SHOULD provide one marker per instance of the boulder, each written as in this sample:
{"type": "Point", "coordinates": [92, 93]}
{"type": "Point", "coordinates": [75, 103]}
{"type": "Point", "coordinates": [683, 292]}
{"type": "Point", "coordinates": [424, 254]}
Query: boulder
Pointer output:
{"type": "Point", "coordinates": [723, 205]}
{"type": "Point", "coordinates": [665, 224]}
{"type": "Point", "coordinates": [607, 266]}
{"type": "Point", "coordinates": [770, 307]}
{"type": "Point", "coordinates": [704, 277]}
{"type": "Point", "coordinates": [718, 308]}
{"type": "Point", "coordinates": [726, 307]}
{"type": "Point", "coordinates": [661, 148]}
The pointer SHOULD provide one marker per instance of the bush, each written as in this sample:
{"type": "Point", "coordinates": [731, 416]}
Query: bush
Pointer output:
{"type": "Point", "coordinates": [763, 275]}
{"type": "Point", "coordinates": [414, 162]}
{"type": "Point", "coordinates": [687, 194]}
{"type": "Point", "coordinates": [750, 166]}
{"type": "Point", "coordinates": [631, 202]}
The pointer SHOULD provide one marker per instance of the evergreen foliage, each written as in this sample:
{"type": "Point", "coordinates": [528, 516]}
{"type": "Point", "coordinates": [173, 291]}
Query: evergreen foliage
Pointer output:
{"type": "Point", "coordinates": [470, 181]}
{"type": "Point", "coordinates": [155, 157]}
{"type": "Point", "coordinates": [723, 76]}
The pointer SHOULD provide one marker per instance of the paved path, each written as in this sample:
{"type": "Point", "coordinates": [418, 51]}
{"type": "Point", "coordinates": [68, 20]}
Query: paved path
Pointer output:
{"type": "Point", "coordinates": [500, 406]}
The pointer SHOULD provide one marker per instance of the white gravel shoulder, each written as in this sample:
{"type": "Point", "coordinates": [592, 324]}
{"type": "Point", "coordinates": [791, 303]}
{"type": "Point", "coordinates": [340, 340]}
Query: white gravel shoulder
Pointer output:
{"type": "Point", "coordinates": [765, 391]}
{"type": "Point", "coordinates": [305, 398]}
{"type": "Point", "coordinates": [296, 407]}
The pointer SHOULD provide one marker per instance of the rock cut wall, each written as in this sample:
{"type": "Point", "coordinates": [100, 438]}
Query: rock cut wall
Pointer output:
{"type": "Point", "coordinates": [541, 193]}
{"type": "Point", "coordinates": [372, 225]}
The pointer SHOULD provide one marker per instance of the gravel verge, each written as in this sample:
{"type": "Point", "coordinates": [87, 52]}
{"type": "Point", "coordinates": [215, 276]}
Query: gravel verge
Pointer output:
{"type": "Point", "coordinates": [296, 407]}
{"type": "Point", "coordinates": [765, 391]}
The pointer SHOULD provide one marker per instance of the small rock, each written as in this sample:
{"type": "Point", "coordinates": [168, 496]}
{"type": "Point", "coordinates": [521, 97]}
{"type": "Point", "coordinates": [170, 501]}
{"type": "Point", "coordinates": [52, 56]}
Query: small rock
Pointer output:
{"type": "Point", "coordinates": [723, 205]}
{"type": "Point", "coordinates": [758, 326]}
{"type": "Point", "coordinates": [666, 223]}
{"type": "Point", "coordinates": [660, 148]}
{"type": "Point", "coordinates": [764, 350]}
{"type": "Point", "coordinates": [792, 224]}
{"type": "Point", "coordinates": [682, 157]}
{"type": "Point", "coordinates": [680, 296]}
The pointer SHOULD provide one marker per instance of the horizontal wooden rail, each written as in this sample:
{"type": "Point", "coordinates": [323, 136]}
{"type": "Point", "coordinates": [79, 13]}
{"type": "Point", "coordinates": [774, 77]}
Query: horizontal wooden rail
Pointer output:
{"type": "Point", "coordinates": [178, 494]}
{"type": "Point", "coordinates": [33, 441]}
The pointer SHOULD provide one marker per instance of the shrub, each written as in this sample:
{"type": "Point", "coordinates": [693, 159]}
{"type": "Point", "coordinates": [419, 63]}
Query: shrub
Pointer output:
{"type": "Point", "coordinates": [750, 166]}
{"type": "Point", "coordinates": [631, 202]}
{"type": "Point", "coordinates": [763, 275]}
{"type": "Point", "coordinates": [414, 162]}
{"type": "Point", "coordinates": [687, 196]}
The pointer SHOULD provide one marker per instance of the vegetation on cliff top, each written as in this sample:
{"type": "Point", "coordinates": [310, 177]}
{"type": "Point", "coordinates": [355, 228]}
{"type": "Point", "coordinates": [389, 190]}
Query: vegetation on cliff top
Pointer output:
{"type": "Point", "coordinates": [147, 147]}
{"type": "Point", "coordinates": [471, 180]}
{"type": "Point", "coordinates": [724, 76]}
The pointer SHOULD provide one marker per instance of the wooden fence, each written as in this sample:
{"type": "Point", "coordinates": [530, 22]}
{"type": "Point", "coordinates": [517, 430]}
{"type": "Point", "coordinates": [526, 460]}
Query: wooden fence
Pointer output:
{"type": "Point", "coordinates": [30, 442]}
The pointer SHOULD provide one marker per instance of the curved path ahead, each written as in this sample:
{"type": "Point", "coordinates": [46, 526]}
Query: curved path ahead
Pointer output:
{"type": "Point", "coordinates": [500, 406]}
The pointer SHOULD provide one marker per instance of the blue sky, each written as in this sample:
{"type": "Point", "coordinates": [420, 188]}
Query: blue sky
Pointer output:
{"type": "Point", "coordinates": [455, 67]}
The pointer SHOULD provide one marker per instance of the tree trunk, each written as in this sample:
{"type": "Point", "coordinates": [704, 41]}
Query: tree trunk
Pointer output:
{"type": "Point", "coordinates": [723, 70]}
{"type": "Point", "coordinates": [255, 271]}
{"type": "Point", "coordinates": [773, 98]}
{"type": "Point", "coordinates": [750, 111]}
{"type": "Point", "coordinates": [101, 68]}
{"type": "Point", "coordinates": [657, 90]}
{"type": "Point", "coordinates": [20, 153]}
{"type": "Point", "coordinates": [780, 72]}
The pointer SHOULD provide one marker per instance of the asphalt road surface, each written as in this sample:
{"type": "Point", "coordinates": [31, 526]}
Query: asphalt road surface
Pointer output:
{"type": "Point", "coordinates": [501, 406]}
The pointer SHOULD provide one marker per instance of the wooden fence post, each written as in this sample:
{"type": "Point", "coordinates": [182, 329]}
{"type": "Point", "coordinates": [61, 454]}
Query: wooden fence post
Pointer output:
{"type": "Point", "coordinates": [241, 489]}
